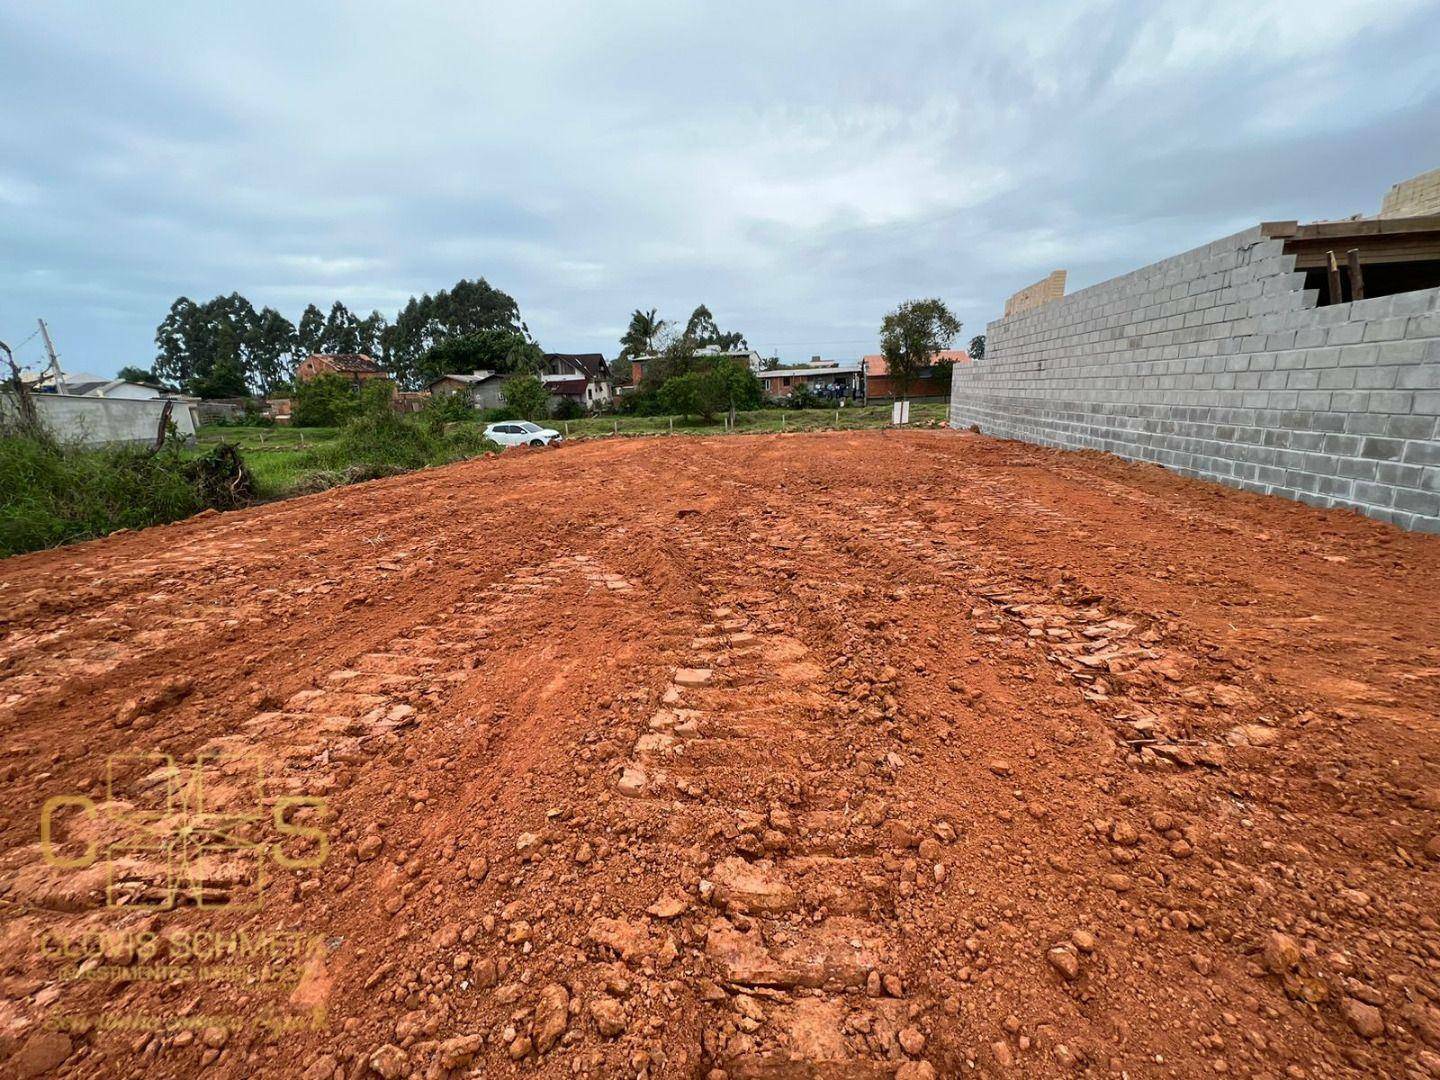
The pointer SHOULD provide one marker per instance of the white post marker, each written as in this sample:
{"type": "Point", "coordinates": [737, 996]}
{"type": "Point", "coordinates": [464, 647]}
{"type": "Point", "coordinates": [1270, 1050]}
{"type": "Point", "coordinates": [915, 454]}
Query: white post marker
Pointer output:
{"type": "Point", "coordinates": [900, 413]}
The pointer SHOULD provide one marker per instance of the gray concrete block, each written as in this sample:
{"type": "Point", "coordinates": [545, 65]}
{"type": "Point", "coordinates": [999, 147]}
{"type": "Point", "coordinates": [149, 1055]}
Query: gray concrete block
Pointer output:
{"type": "Point", "coordinates": [1382, 449]}
{"type": "Point", "coordinates": [1385, 329]}
{"type": "Point", "coordinates": [1217, 364]}
{"type": "Point", "coordinates": [1419, 377]}
{"type": "Point", "coordinates": [1425, 503]}
{"type": "Point", "coordinates": [1410, 427]}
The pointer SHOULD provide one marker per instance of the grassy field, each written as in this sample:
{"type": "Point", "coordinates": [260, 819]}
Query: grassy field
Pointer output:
{"type": "Point", "coordinates": [263, 438]}
{"type": "Point", "coordinates": [274, 456]}
{"type": "Point", "coordinates": [277, 456]}
{"type": "Point", "coordinates": [761, 420]}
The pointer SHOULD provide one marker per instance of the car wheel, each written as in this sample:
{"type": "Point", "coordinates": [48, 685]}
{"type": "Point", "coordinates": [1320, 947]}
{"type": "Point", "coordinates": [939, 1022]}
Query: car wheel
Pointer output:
{"type": "Point", "coordinates": [537, 442]}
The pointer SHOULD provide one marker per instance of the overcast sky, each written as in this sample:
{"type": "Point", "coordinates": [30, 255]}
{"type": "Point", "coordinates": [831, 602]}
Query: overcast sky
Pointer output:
{"type": "Point", "coordinates": [798, 167]}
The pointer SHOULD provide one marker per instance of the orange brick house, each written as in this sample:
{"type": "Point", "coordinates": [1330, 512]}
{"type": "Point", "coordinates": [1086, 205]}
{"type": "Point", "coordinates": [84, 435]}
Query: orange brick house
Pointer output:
{"type": "Point", "coordinates": [357, 367]}
{"type": "Point", "coordinates": [931, 381]}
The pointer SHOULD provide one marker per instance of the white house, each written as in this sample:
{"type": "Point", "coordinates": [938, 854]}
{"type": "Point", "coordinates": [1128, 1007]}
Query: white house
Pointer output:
{"type": "Point", "coordinates": [113, 388]}
{"type": "Point", "coordinates": [582, 377]}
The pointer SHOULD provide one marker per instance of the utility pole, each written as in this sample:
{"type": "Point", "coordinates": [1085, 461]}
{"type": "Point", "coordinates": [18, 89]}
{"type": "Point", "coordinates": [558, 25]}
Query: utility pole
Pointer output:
{"type": "Point", "coordinates": [54, 359]}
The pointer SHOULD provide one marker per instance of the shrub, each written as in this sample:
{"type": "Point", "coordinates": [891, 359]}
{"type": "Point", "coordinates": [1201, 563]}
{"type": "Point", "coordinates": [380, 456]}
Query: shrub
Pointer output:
{"type": "Point", "coordinates": [327, 401]}
{"type": "Point", "coordinates": [51, 494]}
{"type": "Point", "coordinates": [382, 440]}
{"type": "Point", "coordinates": [802, 397]}
{"type": "Point", "coordinates": [466, 440]}
{"type": "Point", "coordinates": [639, 403]}
{"type": "Point", "coordinates": [526, 395]}
{"type": "Point", "coordinates": [375, 438]}
{"type": "Point", "coordinates": [686, 395]}
{"type": "Point", "coordinates": [444, 409]}
{"type": "Point", "coordinates": [221, 479]}
{"type": "Point", "coordinates": [567, 408]}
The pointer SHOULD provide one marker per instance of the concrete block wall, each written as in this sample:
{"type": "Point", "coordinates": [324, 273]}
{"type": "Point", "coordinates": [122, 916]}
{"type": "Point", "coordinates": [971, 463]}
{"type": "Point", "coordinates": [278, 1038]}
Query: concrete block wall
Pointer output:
{"type": "Point", "coordinates": [1216, 363]}
{"type": "Point", "coordinates": [97, 421]}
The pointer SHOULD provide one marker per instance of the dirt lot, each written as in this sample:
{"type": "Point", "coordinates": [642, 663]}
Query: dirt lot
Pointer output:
{"type": "Point", "coordinates": [848, 755]}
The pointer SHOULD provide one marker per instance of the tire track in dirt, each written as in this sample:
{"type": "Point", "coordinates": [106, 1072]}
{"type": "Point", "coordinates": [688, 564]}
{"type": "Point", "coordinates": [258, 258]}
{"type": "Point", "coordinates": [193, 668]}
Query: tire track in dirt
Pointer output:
{"type": "Point", "coordinates": [793, 757]}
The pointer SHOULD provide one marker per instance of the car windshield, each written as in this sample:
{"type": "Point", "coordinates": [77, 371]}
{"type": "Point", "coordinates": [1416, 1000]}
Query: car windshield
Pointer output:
{"type": "Point", "coordinates": [527, 426]}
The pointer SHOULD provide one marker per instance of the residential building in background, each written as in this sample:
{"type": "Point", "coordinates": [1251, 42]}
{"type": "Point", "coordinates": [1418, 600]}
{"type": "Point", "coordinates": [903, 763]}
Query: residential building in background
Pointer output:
{"type": "Point", "coordinates": [357, 367]}
{"type": "Point", "coordinates": [581, 377]}
{"type": "Point", "coordinates": [481, 387]}
{"type": "Point", "coordinates": [749, 357]}
{"type": "Point", "coordinates": [836, 380]}
{"type": "Point", "coordinates": [932, 381]}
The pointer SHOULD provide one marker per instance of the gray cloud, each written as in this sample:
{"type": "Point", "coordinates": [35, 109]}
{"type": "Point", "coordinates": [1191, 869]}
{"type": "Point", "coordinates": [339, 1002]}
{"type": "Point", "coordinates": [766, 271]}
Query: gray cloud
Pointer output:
{"type": "Point", "coordinates": [800, 170]}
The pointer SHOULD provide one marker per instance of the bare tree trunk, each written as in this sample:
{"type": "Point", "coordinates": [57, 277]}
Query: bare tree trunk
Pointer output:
{"type": "Point", "coordinates": [27, 416]}
{"type": "Point", "coordinates": [160, 430]}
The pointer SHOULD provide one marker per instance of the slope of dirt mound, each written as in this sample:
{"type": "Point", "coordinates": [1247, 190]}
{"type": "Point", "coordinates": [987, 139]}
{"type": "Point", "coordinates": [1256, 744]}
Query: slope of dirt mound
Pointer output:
{"type": "Point", "coordinates": [888, 754]}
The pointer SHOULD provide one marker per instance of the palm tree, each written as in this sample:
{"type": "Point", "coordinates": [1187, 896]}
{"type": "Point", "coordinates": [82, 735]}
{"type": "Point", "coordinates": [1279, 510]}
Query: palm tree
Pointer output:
{"type": "Point", "coordinates": [645, 328]}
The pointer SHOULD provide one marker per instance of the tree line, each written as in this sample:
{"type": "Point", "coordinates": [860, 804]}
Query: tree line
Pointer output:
{"type": "Point", "coordinates": [650, 335]}
{"type": "Point", "coordinates": [680, 377]}
{"type": "Point", "coordinates": [226, 348]}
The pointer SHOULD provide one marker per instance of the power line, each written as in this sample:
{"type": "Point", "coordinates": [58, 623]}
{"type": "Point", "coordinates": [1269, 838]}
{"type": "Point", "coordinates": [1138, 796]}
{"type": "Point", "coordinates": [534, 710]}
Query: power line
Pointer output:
{"type": "Point", "coordinates": [29, 339]}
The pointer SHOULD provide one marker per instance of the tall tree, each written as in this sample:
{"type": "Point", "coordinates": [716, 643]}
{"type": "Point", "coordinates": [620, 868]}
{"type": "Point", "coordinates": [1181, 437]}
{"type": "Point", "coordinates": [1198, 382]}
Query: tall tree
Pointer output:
{"type": "Point", "coordinates": [130, 373]}
{"type": "Point", "coordinates": [701, 331]}
{"type": "Point", "coordinates": [911, 335]}
{"type": "Point", "coordinates": [469, 307]}
{"type": "Point", "coordinates": [177, 342]}
{"type": "Point", "coordinates": [701, 328]}
{"type": "Point", "coordinates": [341, 333]}
{"type": "Point", "coordinates": [485, 350]}
{"type": "Point", "coordinates": [224, 346]}
{"type": "Point", "coordinates": [642, 335]}
{"type": "Point", "coordinates": [208, 349]}
{"type": "Point", "coordinates": [310, 333]}
{"type": "Point", "coordinates": [372, 332]}
{"type": "Point", "coordinates": [272, 350]}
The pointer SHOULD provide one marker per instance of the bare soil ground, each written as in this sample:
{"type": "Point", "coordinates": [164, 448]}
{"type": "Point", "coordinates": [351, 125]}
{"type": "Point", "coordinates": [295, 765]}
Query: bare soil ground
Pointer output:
{"type": "Point", "coordinates": [879, 754]}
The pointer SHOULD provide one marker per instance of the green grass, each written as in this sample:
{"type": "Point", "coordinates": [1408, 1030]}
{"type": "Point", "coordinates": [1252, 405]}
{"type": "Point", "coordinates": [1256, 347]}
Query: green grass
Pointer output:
{"type": "Point", "coordinates": [277, 457]}
{"type": "Point", "coordinates": [851, 418]}
{"type": "Point", "coordinates": [262, 438]}
{"type": "Point", "coordinates": [285, 460]}
{"type": "Point", "coordinates": [277, 473]}
{"type": "Point", "coordinates": [52, 494]}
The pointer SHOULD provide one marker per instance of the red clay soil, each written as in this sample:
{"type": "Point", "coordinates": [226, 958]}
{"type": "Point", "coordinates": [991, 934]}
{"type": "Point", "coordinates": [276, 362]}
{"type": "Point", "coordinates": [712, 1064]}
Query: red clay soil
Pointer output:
{"type": "Point", "coordinates": [861, 755]}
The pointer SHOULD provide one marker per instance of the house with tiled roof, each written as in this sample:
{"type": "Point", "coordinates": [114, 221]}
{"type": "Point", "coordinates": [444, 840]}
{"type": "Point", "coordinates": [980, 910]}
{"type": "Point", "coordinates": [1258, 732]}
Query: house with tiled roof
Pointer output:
{"type": "Point", "coordinates": [356, 367]}
{"type": "Point", "coordinates": [581, 377]}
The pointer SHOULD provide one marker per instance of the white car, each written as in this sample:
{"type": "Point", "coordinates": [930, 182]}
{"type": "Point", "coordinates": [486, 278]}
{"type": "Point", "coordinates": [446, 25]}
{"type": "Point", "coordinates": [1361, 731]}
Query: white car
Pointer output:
{"type": "Point", "coordinates": [521, 433]}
